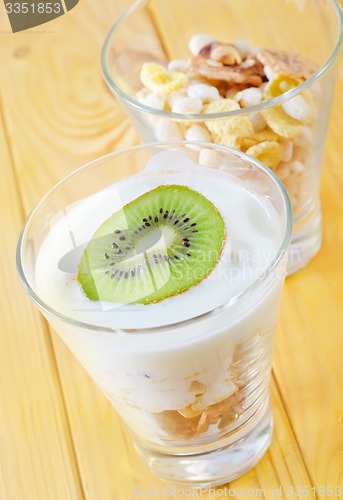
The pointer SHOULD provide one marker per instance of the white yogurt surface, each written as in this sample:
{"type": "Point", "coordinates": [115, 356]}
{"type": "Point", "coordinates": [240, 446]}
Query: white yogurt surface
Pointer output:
{"type": "Point", "coordinates": [252, 241]}
{"type": "Point", "coordinates": [157, 371]}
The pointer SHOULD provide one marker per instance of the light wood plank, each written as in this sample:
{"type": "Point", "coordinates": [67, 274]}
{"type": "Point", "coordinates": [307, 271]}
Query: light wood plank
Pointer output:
{"type": "Point", "coordinates": [177, 22]}
{"type": "Point", "coordinates": [308, 361]}
{"type": "Point", "coordinates": [37, 457]}
{"type": "Point", "coordinates": [61, 118]}
{"type": "Point", "coordinates": [57, 107]}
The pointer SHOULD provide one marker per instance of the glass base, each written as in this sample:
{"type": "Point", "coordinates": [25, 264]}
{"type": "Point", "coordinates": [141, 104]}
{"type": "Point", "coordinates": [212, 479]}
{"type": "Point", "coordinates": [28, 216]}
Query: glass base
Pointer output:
{"type": "Point", "coordinates": [306, 241]}
{"type": "Point", "coordinates": [235, 456]}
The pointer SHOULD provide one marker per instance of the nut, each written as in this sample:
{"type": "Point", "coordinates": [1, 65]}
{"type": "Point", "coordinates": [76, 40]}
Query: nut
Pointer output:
{"type": "Point", "coordinates": [214, 64]}
{"type": "Point", "coordinates": [226, 54]}
{"type": "Point", "coordinates": [234, 75]}
{"type": "Point", "coordinates": [176, 426]}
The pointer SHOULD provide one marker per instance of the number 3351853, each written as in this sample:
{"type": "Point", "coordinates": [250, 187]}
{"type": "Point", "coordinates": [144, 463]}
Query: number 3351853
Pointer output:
{"type": "Point", "coordinates": [33, 8]}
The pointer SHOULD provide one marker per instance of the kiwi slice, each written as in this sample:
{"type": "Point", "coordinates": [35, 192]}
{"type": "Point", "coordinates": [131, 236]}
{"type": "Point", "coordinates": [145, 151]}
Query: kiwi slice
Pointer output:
{"type": "Point", "coordinates": [159, 245]}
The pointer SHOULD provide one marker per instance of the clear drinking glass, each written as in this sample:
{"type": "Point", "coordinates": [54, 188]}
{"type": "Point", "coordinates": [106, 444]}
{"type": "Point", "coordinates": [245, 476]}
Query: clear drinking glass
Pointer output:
{"type": "Point", "coordinates": [160, 31]}
{"type": "Point", "coordinates": [189, 375]}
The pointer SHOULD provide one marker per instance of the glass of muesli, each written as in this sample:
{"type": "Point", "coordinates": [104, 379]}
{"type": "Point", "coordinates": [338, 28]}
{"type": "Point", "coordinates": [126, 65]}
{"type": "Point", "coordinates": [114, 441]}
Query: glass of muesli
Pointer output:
{"type": "Point", "coordinates": [164, 278]}
{"type": "Point", "coordinates": [255, 75]}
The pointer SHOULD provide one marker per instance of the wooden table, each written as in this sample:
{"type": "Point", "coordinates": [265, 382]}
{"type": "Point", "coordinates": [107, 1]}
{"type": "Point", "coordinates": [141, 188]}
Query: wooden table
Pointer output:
{"type": "Point", "coordinates": [59, 437]}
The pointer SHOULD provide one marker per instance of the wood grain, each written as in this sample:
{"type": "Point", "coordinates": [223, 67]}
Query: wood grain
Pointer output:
{"type": "Point", "coordinates": [59, 115]}
{"type": "Point", "coordinates": [56, 445]}
{"type": "Point", "coordinates": [177, 22]}
{"type": "Point", "coordinates": [308, 357]}
{"type": "Point", "coordinates": [37, 457]}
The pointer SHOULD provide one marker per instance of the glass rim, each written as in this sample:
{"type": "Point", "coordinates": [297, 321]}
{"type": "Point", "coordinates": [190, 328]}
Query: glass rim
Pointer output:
{"type": "Point", "coordinates": [199, 117]}
{"type": "Point", "coordinates": [248, 291]}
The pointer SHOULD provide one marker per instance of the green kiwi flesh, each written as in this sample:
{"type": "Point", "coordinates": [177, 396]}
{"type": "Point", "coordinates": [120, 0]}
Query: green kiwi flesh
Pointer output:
{"type": "Point", "coordinates": [159, 245]}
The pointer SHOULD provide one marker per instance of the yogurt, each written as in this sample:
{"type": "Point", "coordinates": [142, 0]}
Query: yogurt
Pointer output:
{"type": "Point", "coordinates": [178, 353]}
{"type": "Point", "coordinates": [253, 238]}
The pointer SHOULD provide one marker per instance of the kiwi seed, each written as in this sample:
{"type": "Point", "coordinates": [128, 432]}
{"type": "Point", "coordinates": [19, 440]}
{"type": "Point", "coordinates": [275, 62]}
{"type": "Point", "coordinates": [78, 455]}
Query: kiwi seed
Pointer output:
{"type": "Point", "coordinates": [150, 250]}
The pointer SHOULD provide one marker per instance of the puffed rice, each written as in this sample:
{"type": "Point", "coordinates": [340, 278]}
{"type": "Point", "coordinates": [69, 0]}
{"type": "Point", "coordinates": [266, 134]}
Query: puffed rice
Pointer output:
{"type": "Point", "coordinates": [297, 167]}
{"type": "Point", "coordinates": [205, 92]}
{"type": "Point", "coordinates": [268, 72]}
{"type": "Point", "coordinates": [198, 133]}
{"type": "Point", "coordinates": [166, 130]}
{"type": "Point", "coordinates": [288, 150]}
{"type": "Point", "coordinates": [208, 158]}
{"type": "Point", "coordinates": [188, 105]}
{"type": "Point", "coordinates": [243, 46]}
{"type": "Point", "coordinates": [258, 121]}
{"type": "Point", "coordinates": [297, 108]}
{"type": "Point", "coordinates": [305, 139]}
{"type": "Point", "coordinates": [249, 97]}
{"type": "Point", "coordinates": [255, 50]}
{"type": "Point", "coordinates": [283, 172]}
{"type": "Point", "coordinates": [236, 96]}
{"type": "Point", "coordinates": [198, 42]}
{"type": "Point", "coordinates": [178, 65]}
{"type": "Point", "coordinates": [154, 101]}
{"type": "Point", "coordinates": [300, 152]}
{"type": "Point", "coordinates": [309, 97]}
{"type": "Point", "coordinates": [175, 96]}
{"type": "Point", "coordinates": [142, 95]}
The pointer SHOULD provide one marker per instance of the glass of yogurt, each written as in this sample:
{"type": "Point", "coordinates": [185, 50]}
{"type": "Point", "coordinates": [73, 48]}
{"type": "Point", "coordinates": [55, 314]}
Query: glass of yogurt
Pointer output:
{"type": "Point", "coordinates": [246, 75]}
{"type": "Point", "coordinates": [185, 363]}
